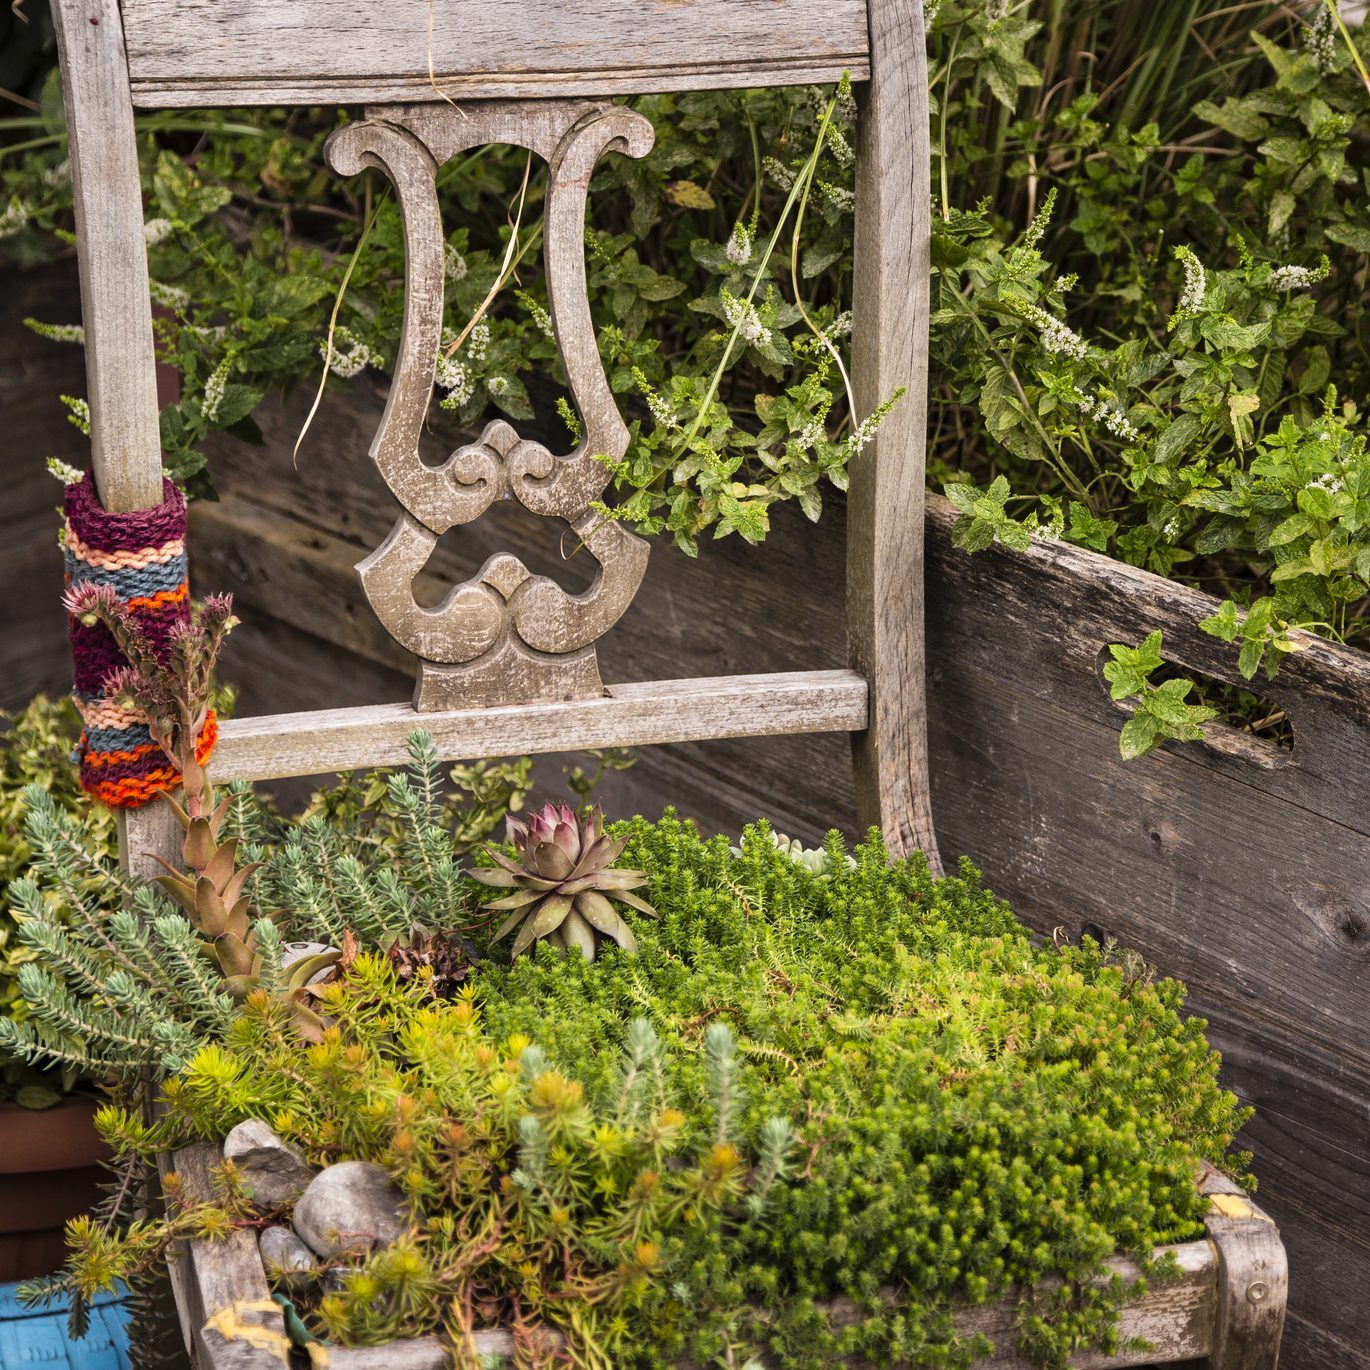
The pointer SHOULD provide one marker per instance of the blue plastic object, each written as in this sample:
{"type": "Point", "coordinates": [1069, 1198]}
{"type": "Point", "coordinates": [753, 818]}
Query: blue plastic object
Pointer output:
{"type": "Point", "coordinates": [37, 1340]}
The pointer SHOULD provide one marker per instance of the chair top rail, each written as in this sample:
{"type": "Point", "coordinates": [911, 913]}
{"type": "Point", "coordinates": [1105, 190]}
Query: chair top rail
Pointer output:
{"type": "Point", "coordinates": [276, 746]}
{"type": "Point", "coordinates": [184, 53]}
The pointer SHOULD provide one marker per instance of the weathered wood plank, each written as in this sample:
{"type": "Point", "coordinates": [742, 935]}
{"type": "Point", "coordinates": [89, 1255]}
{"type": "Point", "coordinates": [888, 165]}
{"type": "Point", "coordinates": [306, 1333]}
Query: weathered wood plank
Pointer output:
{"type": "Point", "coordinates": [885, 507]}
{"type": "Point", "coordinates": [121, 382]}
{"type": "Point", "coordinates": [253, 52]}
{"type": "Point", "coordinates": [1253, 1279]}
{"type": "Point", "coordinates": [222, 1284]}
{"type": "Point", "coordinates": [625, 716]}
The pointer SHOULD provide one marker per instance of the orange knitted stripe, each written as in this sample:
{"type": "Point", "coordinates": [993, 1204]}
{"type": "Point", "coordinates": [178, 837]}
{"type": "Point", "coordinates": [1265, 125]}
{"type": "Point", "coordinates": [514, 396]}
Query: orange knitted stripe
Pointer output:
{"type": "Point", "coordinates": [161, 598]}
{"type": "Point", "coordinates": [113, 758]}
{"type": "Point", "coordinates": [134, 790]}
{"type": "Point", "coordinates": [209, 735]}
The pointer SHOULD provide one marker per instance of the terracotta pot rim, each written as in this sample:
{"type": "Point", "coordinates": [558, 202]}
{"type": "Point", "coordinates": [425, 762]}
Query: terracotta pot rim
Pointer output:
{"type": "Point", "coordinates": [34, 1141]}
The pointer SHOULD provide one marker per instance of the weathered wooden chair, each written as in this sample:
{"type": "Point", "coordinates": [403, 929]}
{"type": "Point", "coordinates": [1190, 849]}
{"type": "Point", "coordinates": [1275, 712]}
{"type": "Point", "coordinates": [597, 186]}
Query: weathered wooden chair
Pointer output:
{"type": "Point", "coordinates": [507, 663]}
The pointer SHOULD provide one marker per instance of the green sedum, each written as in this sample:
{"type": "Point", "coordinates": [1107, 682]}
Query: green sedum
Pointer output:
{"type": "Point", "coordinates": [975, 1110]}
{"type": "Point", "coordinates": [828, 1100]}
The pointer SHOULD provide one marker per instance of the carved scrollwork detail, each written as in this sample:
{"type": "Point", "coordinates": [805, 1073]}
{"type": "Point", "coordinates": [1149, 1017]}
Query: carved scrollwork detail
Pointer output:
{"type": "Point", "coordinates": [504, 635]}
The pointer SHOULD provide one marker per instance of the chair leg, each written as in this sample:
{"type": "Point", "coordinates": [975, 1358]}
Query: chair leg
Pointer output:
{"type": "Point", "coordinates": [1253, 1279]}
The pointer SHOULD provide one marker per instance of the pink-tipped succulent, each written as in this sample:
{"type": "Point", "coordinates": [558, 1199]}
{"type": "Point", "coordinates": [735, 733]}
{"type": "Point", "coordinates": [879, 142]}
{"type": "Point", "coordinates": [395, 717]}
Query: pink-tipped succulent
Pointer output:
{"type": "Point", "coordinates": [564, 883]}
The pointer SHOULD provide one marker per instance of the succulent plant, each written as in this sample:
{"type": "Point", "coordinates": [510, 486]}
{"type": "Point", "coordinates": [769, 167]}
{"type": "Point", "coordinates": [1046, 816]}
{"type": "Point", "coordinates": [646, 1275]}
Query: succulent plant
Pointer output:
{"type": "Point", "coordinates": [212, 891]}
{"type": "Point", "coordinates": [564, 882]}
{"type": "Point", "coordinates": [813, 859]}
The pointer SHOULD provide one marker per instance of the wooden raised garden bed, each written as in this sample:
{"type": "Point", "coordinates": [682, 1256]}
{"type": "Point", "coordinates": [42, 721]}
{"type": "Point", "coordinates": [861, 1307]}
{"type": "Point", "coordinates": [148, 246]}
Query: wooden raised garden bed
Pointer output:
{"type": "Point", "coordinates": [1226, 1305]}
{"type": "Point", "coordinates": [1243, 870]}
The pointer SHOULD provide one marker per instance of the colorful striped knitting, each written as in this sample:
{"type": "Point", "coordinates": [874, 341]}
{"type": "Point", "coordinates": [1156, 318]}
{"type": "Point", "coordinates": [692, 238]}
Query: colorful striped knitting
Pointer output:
{"type": "Point", "coordinates": [143, 556]}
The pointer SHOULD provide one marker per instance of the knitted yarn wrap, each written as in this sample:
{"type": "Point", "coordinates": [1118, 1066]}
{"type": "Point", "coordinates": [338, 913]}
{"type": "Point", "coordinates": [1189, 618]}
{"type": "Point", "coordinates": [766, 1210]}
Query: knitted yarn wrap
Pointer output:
{"type": "Point", "coordinates": [142, 555]}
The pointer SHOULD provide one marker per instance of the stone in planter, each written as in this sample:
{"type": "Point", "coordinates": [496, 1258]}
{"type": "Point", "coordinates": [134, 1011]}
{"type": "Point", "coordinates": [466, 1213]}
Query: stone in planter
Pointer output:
{"type": "Point", "coordinates": [348, 1207]}
{"type": "Point", "coordinates": [274, 1171]}
{"type": "Point", "coordinates": [287, 1258]}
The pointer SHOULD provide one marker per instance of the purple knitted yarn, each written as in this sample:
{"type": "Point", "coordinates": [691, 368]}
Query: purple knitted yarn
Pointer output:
{"type": "Point", "coordinates": [142, 556]}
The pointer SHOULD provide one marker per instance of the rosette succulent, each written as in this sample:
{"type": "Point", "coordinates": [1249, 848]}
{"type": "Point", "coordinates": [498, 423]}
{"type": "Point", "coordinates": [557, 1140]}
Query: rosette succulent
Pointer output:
{"type": "Point", "coordinates": [564, 884]}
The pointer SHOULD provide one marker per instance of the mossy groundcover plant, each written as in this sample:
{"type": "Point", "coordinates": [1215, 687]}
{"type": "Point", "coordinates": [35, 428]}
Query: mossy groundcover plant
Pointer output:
{"type": "Point", "coordinates": [812, 1080]}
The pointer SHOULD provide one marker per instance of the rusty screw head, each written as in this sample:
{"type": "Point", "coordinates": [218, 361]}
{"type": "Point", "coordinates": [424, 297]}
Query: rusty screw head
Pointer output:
{"type": "Point", "coordinates": [1256, 1292]}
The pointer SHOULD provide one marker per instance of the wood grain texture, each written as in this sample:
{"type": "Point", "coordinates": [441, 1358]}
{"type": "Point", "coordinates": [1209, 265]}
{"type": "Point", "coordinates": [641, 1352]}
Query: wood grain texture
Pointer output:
{"type": "Point", "coordinates": [223, 1286]}
{"type": "Point", "coordinates": [252, 52]}
{"type": "Point", "coordinates": [1253, 1279]}
{"type": "Point", "coordinates": [504, 635]}
{"type": "Point", "coordinates": [885, 507]}
{"type": "Point", "coordinates": [121, 384]}
{"type": "Point", "coordinates": [626, 716]}
{"type": "Point", "coordinates": [1252, 883]}
{"type": "Point", "coordinates": [147, 834]}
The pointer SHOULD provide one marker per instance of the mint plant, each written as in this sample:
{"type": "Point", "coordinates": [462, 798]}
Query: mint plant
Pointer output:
{"type": "Point", "coordinates": [1161, 711]}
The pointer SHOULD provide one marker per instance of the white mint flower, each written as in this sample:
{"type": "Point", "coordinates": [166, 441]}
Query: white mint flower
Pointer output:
{"type": "Point", "coordinates": [839, 327]}
{"type": "Point", "coordinates": [478, 342]}
{"type": "Point", "coordinates": [1113, 419]}
{"type": "Point", "coordinates": [449, 374]}
{"type": "Point", "coordinates": [156, 231]}
{"type": "Point", "coordinates": [841, 148]}
{"type": "Point", "coordinates": [1320, 40]}
{"type": "Point", "coordinates": [539, 315]}
{"type": "Point", "coordinates": [58, 175]}
{"type": "Point", "coordinates": [79, 412]}
{"type": "Point", "coordinates": [349, 355]}
{"type": "Point", "coordinates": [1056, 336]}
{"type": "Point", "coordinates": [1299, 277]}
{"type": "Point", "coordinates": [743, 317]}
{"type": "Point", "coordinates": [214, 389]}
{"type": "Point", "coordinates": [661, 409]}
{"type": "Point", "coordinates": [865, 432]}
{"type": "Point", "coordinates": [838, 196]}
{"type": "Point", "coordinates": [453, 263]}
{"type": "Point", "coordinates": [1195, 283]}
{"type": "Point", "coordinates": [169, 296]}
{"type": "Point", "coordinates": [15, 217]}
{"type": "Point", "coordinates": [58, 332]}
{"type": "Point", "coordinates": [68, 475]}
{"type": "Point", "coordinates": [739, 248]}
{"type": "Point", "coordinates": [778, 172]}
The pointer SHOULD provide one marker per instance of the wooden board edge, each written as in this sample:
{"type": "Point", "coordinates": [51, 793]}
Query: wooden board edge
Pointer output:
{"type": "Point", "coordinates": [642, 714]}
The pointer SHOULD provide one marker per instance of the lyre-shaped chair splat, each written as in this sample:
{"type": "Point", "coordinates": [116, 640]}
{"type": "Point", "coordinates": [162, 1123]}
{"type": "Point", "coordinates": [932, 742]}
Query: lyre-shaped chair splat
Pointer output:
{"type": "Point", "coordinates": [505, 635]}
